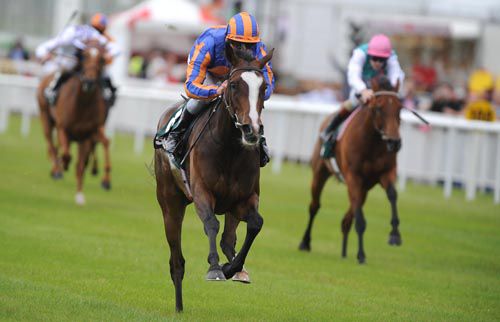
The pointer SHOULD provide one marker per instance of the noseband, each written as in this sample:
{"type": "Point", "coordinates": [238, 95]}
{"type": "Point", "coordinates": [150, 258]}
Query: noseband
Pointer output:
{"type": "Point", "coordinates": [229, 108]}
{"type": "Point", "coordinates": [381, 131]}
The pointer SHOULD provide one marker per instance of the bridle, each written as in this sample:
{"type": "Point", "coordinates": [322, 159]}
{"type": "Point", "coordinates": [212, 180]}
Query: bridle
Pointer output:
{"type": "Point", "coordinates": [379, 130]}
{"type": "Point", "coordinates": [82, 77]}
{"type": "Point", "coordinates": [229, 108]}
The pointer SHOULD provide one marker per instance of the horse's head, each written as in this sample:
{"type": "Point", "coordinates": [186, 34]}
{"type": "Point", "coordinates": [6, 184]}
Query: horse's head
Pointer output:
{"type": "Point", "coordinates": [244, 95]}
{"type": "Point", "coordinates": [92, 64]}
{"type": "Point", "coordinates": [385, 107]}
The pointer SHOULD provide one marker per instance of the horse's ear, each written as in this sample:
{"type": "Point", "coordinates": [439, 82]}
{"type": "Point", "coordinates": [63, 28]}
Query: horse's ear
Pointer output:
{"type": "Point", "coordinates": [266, 59]}
{"type": "Point", "coordinates": [230, 54]}
{"type": "Point", "coordinates": [374, 84]}
{"type": "Point", "coordinates": [396, 88]}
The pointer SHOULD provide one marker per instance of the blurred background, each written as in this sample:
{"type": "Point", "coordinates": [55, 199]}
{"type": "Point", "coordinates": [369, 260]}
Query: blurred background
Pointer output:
{"type": "Point", "coordinates": [442, 45]}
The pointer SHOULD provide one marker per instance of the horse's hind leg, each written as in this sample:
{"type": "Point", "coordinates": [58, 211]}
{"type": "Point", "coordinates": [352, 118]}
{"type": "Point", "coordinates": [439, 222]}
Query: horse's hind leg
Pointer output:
{"type": "Point", "coordinates": [101, 137]}
{"type": "Point", "coordinates": [48, 127]}
{"type": "Point", "coordinates": [392, 195]}
{"type": "Point", "coordinates": [173, 208]}
{"type": "Point", "coordinates": [64, 143]}
{"type": "Point", "coordinates": [320, 175]}
{"type": "Point", "coordinates": [173, 214]}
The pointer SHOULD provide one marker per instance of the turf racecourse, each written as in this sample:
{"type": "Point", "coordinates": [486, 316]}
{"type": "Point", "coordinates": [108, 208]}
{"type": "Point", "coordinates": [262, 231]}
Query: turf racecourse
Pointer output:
{"type": "Point", "coordinates": [109, 260]}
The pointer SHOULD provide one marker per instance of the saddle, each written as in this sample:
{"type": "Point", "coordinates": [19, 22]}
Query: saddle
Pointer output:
{"type": "Point", "coordinates": [183, 145]}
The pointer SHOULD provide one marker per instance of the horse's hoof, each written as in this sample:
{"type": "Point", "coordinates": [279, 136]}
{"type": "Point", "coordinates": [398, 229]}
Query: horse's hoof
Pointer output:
{"type": "Point", "coordinates": [106, 185]}
{"type": "Point", "coordinates": [305, 246]}
{"type": "Point", "coordinates": [395, 240]}
{"type": "Point", "coordinates": [242, 277]}
{"type": "Point", "coordinates": [80, 199]}
{"type": "Point", "coordinates": [215, 275]}
{"type": "Point", "coordinates": [56, 175]}
{"type": "Point", "coordinates": [361, 259]}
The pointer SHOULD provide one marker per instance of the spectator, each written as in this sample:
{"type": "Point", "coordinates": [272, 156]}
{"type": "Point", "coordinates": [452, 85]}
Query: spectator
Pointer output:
{"type": "Point", "coordinates": [17, 51]}
{"type": "Point", "coordinates": [157, 67]}
{"type": "Point", "coordinates": [480, 85]}
{"type": "Point", "coordinates": [410, 99]}
{"type": "Point", "coordinates": [445, 100]}
{"type": "Point", "coordinates": [135, 66]}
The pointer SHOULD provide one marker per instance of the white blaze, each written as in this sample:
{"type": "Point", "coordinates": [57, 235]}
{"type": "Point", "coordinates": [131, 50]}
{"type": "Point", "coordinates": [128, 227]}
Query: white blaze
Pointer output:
{"type": "Point", "coordinates": [93, 52]}
{"type": "Point", "coordinates": [254, 83]}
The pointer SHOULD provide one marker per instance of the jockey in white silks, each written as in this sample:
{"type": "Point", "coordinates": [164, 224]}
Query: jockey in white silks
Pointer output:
{"type": "Point", "coordinates": [60, 55]}
{"type": "Point", "coordinates": [368, 61]}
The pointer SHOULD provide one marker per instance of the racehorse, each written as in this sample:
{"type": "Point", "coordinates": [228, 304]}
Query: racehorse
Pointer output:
{"type": "Point", "coordinates": [223, 172]}
{"type": "Point", "coordinates": [366, 155]}
{"type": "Point", "coordinates": [78, 115]}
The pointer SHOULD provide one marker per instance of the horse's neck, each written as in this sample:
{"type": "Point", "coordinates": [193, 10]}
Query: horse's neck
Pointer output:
{"type": "Point", "coordinates": [366, 126]}
{"type": "Point", "coordinates": [223, 129]}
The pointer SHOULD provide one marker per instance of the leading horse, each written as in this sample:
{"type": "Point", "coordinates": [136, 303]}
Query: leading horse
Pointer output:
{"type": "Point", "coordinates": [223, 171]}
{"type": "Point", "coordinates": [366, 155]}
{"type": "Point", "coordinates": [78, 115]}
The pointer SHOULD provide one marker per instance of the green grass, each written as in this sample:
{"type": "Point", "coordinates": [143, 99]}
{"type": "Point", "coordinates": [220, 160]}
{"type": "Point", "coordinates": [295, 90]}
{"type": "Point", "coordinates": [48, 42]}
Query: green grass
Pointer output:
{"type": "Point", "coordinates": [109, 260]}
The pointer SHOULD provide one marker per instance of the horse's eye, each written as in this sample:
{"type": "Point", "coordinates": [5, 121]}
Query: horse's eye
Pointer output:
{"type": "Point", "coordinates": [233, 86]}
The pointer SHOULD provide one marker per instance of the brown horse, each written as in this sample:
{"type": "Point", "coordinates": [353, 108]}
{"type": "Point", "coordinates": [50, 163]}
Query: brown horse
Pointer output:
{"type": "Point", "coordinates": [366, 155]}
{"type": "Point", "coordinates": [223, 171]}
{"type": "Point", "coordinates": [78, 115]}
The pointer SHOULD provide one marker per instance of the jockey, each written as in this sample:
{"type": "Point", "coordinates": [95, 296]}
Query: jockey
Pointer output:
{"type": "Point", "coordinates": [207, 66]}
{"type": "Point", "coordinates": [66, 48]}
{"type": "Point", "coordinates": [367, 61]}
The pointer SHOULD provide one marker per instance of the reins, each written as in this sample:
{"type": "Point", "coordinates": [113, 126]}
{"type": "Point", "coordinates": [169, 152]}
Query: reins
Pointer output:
{"type": "Point", "coordinates": [212, 112]}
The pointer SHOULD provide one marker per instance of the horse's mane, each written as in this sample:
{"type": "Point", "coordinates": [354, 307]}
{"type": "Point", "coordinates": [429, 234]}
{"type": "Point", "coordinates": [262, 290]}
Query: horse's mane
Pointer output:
{"type": "Point", "coordinates": [244, 54]}
{"type": "Point", "coordinates": [384, 84]}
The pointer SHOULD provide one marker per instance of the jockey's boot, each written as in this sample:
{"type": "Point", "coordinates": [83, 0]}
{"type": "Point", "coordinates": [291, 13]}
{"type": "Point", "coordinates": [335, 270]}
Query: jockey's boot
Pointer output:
{"type": "Point", "coordinates": [108, 91]}
{"type": "Point", "coordinates": [327, 150]}
{"type": "Point", "coordinates": [264, 152]}
{"type": "Point", "coordinates": [176, 133]}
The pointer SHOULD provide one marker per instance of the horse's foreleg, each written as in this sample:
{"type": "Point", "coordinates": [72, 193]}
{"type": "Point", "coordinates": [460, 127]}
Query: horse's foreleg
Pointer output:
{"type": "Point", "coordinates": [320, 175]}
{"type": "Point", "coordinates": [254, 225]}
{"type": "Point", "coordinates": [106, 180]}
{"type": "Point", "coordinates": [84, 149]}
{"type": "Point", "coordinates": [204, 208]}
{"type": "Point", "coordinates": [346, 227]}
{"type": "Point", "coordinates": [228, 240]}
{"type": "Point", "coordinates": [357, 196]}
{"type": "Point", "coordinates": [392, 195]}
{"type": "Point", "coordinates": [228, 245]}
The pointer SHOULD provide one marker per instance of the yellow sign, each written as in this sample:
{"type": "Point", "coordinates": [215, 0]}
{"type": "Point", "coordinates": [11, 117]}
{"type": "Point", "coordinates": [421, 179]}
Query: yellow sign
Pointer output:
{"type": "Point", "coordinates": [480, 110]}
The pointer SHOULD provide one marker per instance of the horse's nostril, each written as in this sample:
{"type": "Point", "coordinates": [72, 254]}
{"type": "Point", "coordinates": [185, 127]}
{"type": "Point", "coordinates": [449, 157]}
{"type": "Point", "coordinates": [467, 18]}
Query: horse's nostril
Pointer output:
{"type": "Point", "coordinates": [247, 129]}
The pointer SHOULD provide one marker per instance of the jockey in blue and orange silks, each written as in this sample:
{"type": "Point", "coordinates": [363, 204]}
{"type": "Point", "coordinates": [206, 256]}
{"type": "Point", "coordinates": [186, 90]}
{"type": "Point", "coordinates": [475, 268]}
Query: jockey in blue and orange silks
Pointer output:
{"type": "Point", "coordinates": [367, 61]}
{"type": "Point", "coordinates": [208, 67]}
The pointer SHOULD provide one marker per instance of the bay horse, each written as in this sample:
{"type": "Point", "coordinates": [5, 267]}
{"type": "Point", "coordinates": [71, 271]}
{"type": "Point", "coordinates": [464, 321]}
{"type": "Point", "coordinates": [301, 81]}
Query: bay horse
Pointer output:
{"type": "Point", "coordinates": [223, 172]}
{"type": "Point", "coordinates": [78, 115]}
{"type": "Point", "coordinates": [366, 155]}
